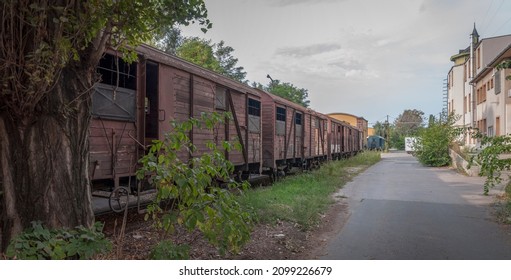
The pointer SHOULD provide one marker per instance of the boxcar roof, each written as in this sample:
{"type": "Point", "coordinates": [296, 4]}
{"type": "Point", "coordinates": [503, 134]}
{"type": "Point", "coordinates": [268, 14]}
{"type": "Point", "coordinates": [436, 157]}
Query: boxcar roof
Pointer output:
{"type": "Point", "coordinates": [283, 101]}
{"type": "Point", "coordinates": [159, 56]}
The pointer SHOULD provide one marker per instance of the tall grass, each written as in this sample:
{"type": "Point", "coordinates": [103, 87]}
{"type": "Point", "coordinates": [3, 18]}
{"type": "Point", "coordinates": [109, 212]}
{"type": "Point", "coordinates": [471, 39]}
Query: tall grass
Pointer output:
{"type": "Point", "coordinates": [302, 198]}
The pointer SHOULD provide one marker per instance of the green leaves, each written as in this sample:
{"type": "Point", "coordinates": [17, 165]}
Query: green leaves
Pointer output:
{"type": "Point", "coordinates": [432, 147]}
{"type": "Point", "coordinates": [289, 92]}
{"type": "Point", "coordinates": [193, 186]}
{"type": "Point", "coordinates": [40, 243]}
{"type": "Point", "coordinates": [41, 39]}
{"type": "Point", "coordinates": [493, 158]}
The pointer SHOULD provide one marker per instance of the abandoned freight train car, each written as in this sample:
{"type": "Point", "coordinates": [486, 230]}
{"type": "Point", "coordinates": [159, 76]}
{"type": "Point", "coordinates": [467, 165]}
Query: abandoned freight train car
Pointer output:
{"type": "Point", "coordinates": [134, 104]}
{"type": "Point", "coordinates": [294, 137]}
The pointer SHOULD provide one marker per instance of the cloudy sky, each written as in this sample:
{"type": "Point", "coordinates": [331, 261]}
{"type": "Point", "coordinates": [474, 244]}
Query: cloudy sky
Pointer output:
{"type": "Point", "coordinates": [370, 58]}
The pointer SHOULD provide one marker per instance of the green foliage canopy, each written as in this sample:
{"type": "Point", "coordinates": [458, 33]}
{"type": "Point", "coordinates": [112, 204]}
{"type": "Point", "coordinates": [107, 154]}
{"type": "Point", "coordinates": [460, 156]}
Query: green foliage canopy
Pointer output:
{"type": "Point", "coordinates": [432, 146]}
{"type": "Point", "coordinates": [289, 92]}
{"type": "Point", "coordinates": [200, 52]}
{"type": "Point", "coordinates": [407, 124]}
{"type": "Point", "coordinates": [38, 39]}
{"type": "Point", "coordinates": [215, 57]}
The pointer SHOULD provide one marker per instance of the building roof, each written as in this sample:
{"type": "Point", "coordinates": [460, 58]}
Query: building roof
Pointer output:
{"type": "Point", "coordinates": [474, 32]}
{"type": "Point", "coordinates": [346, 114]}
{"type": "Point", "coordinates": [505, 53]}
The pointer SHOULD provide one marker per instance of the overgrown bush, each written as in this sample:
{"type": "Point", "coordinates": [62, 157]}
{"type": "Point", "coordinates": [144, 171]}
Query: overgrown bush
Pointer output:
{"type": "Point", "coordinates": [432, 145]}
{"type": "Point", "coordinates": [40, 243]}
{"type": "Point", "coordinates": [191, 185]}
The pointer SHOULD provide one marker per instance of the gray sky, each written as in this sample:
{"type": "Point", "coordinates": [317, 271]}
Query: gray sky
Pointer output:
{"type": "Point", "coordinates": [370, 58]}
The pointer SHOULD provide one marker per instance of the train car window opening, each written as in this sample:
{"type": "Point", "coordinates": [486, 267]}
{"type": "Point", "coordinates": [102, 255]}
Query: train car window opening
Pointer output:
{"type": "Point", "coordinates": [316, 122]}
{"type": "Point", "coordinates": [281, 114]}
{"type": "Point", "coordinates": [151, 91]}
{"type": "Point", "coordinates": [116, 72]}
{"type": "Point", "coordinates": [254, 115]}
{"type": "Point", "coordinates": [298, 127]}
{"type": "Point", "coordinates": [147, 107]}
{"type": "Point", "coordinates": [220, 98]}
{"type": "Point", "coordinates": [254, 107]}
{"type": "Point", "coordinates": [115, 96]}
{"type": "Point", "coordinates": [280, 121]}
{"type": "Point", "coordinates": [298, 118]}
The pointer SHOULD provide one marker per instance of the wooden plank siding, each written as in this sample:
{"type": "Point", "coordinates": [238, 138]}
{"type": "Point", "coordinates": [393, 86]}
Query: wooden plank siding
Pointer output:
{"type": "Point", "coordinates": [204, 91]}
{"type": "Point", "coordinates": [112, 151]}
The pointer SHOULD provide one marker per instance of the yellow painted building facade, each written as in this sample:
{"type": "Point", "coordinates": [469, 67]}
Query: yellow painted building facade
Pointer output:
{"type": "Point", "coordinates": [353, 120]}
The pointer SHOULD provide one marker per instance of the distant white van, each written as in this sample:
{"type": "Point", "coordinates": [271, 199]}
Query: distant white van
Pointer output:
{"type": "Point", "coordinates": [410, 144]}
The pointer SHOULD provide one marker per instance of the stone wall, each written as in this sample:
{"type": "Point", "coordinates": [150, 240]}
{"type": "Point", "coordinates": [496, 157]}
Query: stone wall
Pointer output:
{"type": "Point", "coordinates": [461, 164]}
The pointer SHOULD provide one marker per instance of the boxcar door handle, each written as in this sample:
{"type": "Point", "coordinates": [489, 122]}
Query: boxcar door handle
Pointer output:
{"type": "Point", "coordinates": [161, 115]}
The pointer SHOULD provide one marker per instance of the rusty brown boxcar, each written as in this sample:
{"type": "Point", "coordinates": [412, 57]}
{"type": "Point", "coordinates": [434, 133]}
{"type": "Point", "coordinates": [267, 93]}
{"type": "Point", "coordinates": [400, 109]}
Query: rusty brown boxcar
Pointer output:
{"type": "Point", "coordinates": [336, 137]}
{"type": "Point", "coordinates": [343, 139]}
{"type": "Point", "coordinates": [293, 136]}
{"type": "Point", "coordinates": [134, 104]}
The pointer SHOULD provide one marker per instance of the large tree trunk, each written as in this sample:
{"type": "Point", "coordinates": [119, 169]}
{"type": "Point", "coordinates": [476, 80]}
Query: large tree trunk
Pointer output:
{"type": "Point", "coordinates": [44, 161]}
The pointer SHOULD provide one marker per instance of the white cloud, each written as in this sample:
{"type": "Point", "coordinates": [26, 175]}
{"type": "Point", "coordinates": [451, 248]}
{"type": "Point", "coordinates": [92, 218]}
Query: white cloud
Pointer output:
{"type": "Point", "coordinates": [394, 55]}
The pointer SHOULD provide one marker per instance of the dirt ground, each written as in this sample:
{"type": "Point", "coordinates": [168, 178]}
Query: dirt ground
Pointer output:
{"type": "Point", "coordinates": [276, 242]}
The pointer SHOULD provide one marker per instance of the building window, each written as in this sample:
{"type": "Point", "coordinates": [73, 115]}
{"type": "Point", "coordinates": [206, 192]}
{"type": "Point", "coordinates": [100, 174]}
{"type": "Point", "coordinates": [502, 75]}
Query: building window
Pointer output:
{"type": "Point", "coordinates": [465, 72]}
{"type": "Point", "coordinates": [490, 131]}
{"type": "Point", "coordinates": [464, 104]}
{"type": "Point", "coordinates": [497, 82]}
{"type": "Point", "coordinates": [478, 58]}
{"type": "Point", "coordinates": [497, 126]}
{"type": "Point", "coordinates": [484, 93]}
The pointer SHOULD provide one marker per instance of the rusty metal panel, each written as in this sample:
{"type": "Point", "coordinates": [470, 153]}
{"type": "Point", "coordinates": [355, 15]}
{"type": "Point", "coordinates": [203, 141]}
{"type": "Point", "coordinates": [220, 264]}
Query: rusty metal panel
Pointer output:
{"type": "Point", "coordinates": [115, 103]}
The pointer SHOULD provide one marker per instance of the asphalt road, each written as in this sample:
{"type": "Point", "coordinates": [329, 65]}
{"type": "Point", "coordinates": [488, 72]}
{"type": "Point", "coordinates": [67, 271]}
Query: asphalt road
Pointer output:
{"type": "Point", "coordinates": [399, 209]}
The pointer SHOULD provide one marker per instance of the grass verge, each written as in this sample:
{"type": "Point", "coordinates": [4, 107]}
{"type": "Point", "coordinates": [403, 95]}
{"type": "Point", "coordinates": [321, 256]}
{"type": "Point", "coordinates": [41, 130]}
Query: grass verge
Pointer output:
{"type": "Point", "coordinates": [302, 198]}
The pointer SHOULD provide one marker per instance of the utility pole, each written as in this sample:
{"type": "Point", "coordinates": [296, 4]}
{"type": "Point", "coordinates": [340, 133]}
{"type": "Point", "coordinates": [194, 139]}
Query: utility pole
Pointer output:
{"type": "Point", "coordinates": [387, 134]}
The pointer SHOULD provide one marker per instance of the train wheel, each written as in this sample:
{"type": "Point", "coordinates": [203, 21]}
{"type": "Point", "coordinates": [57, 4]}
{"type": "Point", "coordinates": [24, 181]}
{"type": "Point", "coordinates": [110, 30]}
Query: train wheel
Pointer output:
{"type": "Point", "coordinates": [118, 200]}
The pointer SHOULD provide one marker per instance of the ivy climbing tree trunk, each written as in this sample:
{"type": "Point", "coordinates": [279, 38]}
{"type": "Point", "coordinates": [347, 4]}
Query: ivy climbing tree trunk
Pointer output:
{"type": "Point", "coordinates": [44, 160]}
{"type": "Point", "coordinates": [49, 50]}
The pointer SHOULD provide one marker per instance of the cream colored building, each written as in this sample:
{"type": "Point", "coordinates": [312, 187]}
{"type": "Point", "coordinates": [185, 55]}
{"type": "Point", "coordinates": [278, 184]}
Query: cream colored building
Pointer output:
{"type": "Point", "coordinates": [353, 120]}
{"type": "Point", "coordinates": [469, 98]}
{"type": "Point", "coordinates": [493, 96]}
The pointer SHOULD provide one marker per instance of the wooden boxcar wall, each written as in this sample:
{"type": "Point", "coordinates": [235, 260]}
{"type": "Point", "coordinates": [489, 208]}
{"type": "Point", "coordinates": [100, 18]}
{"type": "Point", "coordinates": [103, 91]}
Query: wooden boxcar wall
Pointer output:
{"type": "Point", "coordinates": [303, 136]}
{"type": "Point", "coordinates": [113, 144]}
{"type": "Point", "coordinates": [193, 95]}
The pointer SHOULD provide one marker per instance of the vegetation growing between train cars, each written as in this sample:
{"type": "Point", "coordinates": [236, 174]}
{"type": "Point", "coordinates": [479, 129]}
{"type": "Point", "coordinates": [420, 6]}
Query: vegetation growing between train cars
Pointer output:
{"type": "Point", "coordinates": [192, 192]}
{"type": "Point", "coordinates": [302, 198]}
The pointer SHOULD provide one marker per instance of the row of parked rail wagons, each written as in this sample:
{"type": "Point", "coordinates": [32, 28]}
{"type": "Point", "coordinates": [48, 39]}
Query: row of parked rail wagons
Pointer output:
{"type": "Point", "coordinates": [293, 136]}
{"type": "Point", "coordinates": [134, 104]}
